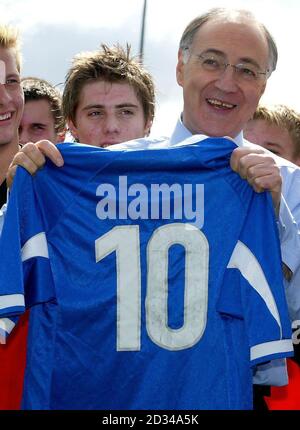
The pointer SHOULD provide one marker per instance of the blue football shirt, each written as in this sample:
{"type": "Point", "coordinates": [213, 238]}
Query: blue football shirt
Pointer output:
{"type": "Point", "coordinates": [153, 277]}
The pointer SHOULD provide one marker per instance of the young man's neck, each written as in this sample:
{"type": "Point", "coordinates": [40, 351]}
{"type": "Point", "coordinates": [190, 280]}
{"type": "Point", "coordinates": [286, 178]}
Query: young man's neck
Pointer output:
{"type": "Point", "coordinates": [7, 153]}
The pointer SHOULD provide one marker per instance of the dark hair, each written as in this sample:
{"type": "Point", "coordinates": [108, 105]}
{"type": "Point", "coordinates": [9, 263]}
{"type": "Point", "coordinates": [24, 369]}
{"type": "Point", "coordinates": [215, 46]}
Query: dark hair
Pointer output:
{"type": "Point", "coordinates": [40, 89]}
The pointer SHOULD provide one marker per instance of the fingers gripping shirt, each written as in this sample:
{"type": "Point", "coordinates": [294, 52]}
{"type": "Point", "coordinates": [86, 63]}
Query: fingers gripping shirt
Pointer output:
{"type": "Point", "coordinates": [149, 278]}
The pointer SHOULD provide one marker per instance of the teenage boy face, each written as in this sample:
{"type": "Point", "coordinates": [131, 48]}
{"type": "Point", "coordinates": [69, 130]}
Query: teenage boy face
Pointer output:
{"type": "Point", "coordinates": [37, 122]}
{"type": "Point", "coordinates": [276, 139]}
{"type": "Point", "coordinates": [107, 114]}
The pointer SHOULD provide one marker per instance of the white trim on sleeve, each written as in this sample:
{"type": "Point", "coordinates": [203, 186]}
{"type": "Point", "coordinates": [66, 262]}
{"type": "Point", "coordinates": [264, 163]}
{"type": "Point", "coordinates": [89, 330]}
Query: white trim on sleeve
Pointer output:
{"type": "Point", "coordinates": [246, 262]}
{"type": "Point", "coordinates": [36, 246]}
{"type": "Point", "coordinates": [11, 301]}
{"type": "Point", "coordinates": [269, 348]}
{"type": "Point", "coordinates": [6, 325]}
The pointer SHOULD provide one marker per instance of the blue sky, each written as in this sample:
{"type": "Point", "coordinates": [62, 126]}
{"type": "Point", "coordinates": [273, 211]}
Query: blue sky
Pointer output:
{"type": "Point", "coordinates": [53, 32]}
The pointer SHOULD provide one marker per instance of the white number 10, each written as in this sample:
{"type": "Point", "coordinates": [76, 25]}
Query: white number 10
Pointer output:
{"type": "Point", "coordinates": [125, 240]}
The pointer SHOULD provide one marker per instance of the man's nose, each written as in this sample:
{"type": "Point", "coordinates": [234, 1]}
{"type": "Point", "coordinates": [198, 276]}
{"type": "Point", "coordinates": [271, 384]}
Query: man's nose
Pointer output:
{"type": "Point", "coordinates": [227, 80]}
{"type": "Point", "coordinates": [111, 124]}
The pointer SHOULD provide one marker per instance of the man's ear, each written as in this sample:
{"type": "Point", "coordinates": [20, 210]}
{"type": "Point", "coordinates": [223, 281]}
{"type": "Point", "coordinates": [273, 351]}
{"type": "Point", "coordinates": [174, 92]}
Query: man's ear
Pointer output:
{"type": "Point", "coordinates": [148, 126]}
{"type": "Point", "coordinates": [180, 68]}
{"type": "Point", "coordinates": [60, 136]}
{"type": "Point", "coordinates": [73, 129]}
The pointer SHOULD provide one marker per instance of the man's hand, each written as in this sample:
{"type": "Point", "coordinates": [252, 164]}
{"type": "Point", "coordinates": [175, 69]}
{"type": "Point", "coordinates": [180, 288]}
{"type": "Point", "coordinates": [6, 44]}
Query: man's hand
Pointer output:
{"type": "Point", "coordinates": [33, 157]}
{"type": "Point", "coordinates": [259, 168]}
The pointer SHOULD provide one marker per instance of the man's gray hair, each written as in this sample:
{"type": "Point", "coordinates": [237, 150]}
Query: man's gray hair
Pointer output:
{"type": "Point", "coordinates": [192, 28]}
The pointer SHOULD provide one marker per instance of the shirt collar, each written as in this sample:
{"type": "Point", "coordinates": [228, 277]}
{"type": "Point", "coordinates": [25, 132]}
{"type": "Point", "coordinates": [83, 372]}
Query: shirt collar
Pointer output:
{"type": "Point", "coordinates": [181, 133]}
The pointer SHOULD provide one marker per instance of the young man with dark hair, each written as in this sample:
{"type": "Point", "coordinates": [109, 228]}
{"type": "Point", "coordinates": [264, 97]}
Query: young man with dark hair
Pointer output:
{"type": "Point", "coordinates": [42, 116]}
{"type": "Point", "coordinates": [108, 97]}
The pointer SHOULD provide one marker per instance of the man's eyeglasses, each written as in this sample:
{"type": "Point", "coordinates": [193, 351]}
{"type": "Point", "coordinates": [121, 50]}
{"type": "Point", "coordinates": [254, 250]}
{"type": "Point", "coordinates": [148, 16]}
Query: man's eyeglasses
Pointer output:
{"type": "Point", "coordinates": [214, 63]}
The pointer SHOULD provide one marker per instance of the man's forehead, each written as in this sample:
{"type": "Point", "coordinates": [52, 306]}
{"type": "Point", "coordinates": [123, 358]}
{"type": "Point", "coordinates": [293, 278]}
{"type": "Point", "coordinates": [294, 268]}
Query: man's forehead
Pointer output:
{"type": "Point", "coordinates": [2, 72]}
{"type": "Point", "coordinates": [237, 41]}
{"type": "Point", "coordinates": [37, 110]}
{"type": "Point", "coordinates": [108, 93]}
{"type": "Point", "coordinates": [246, 31]}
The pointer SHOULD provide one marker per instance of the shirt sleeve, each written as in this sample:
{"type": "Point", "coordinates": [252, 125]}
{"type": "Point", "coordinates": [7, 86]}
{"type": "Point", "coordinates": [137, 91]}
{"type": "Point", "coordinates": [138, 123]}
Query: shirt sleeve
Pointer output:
{"type": "Point", "coordinates": [272, 373]}
{"type": "Point", "coordinates": [292, 292]}
{"type": "Point", "coordinates": [24, 257]}
{"type": "Point", "coordinates": [289, 218]}
{"type": "Point", "coordinates": [257, 258]}
{"type": "Point", "coordinates": [275, 372]}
